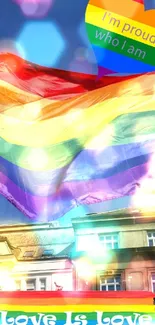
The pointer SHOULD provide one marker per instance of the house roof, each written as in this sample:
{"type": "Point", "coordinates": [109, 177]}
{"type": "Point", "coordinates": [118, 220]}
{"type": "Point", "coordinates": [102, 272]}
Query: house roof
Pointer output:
{"type": "Point", "coordinates": [44, 243]}
{"type": "Point", "coordinates": [124, 216]}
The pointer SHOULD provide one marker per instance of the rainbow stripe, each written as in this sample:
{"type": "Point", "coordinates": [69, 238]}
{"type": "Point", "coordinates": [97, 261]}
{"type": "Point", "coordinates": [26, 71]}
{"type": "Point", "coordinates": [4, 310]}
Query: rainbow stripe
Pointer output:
{"type": "Point", "coordinates": [64, 307]}
{"type": "Point", "coordinates": [85, 145]}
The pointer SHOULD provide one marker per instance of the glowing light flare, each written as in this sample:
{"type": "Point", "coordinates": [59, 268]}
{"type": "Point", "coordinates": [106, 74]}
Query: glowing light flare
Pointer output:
{"type": "Point", "coordinates": [32, 111]}
{"type": "Point", "coordinates": [7, 283]}
{"type": "Point", "coordinates": [74, 115]}
{"type": "Point", "coordinates": [35, 8]}
{"type": "Point", "coordinates": [103, 139]}
{"type": "Point", "coordinates": [143, 201]}
{"type": "Point", "coordinates": [42, 42]}
{"type": "Point", "coordinates": [35, 158]}
{"type": "Point", "coordinates": [85, 269]}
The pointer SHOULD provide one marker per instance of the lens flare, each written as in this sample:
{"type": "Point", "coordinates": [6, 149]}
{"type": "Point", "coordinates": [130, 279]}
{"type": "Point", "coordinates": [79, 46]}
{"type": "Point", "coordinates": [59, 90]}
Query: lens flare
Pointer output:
{"type": "Point", "coordinates": [35, 158]}
{"type": "Point", "coordinates": [35, 8]}
{"type": "Point", "coordinates": [85, 269]}
{"type": "Point", "coordinates": [7, 283]}
{"type": "Point", "coordinates": [42, 42]}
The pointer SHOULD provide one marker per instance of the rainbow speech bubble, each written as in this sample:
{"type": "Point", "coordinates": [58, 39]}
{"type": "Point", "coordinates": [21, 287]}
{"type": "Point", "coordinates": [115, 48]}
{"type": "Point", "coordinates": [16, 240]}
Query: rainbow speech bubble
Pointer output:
{"type": "Point", "coordinates": [122, 36]}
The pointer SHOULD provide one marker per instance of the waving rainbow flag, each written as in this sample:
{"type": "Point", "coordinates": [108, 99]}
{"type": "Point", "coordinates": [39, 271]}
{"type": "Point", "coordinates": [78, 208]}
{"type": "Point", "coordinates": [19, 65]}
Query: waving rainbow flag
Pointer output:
{"type": "Point", "coordinates": [65, 307]}
{"type": "Point", "coordinates": [85, 308]}
{"type": "Point", "coordinates": [66, 140]}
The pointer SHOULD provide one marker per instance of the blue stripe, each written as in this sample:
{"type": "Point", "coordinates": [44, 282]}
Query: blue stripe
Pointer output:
{"type": "Point", "coordinates": [120, 63]}
{"type": "Point", "coordinates": [149, 4]}
{"type": "Point", "coordinates": [14, 216]}
{"type": "Point", "coordinates": [89, 164]}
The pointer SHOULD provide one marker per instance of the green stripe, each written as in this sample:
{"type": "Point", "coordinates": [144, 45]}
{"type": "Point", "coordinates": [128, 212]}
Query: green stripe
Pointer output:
{"type": "Point", "coordinates": [134, 126]}
{"type": "Point", "coordinates": [47, 158]}
{"type": "Point", "coordinates": [149, 50]}
{"type": "Point", "coordinates": [127, 128]}
{"type": "Point", "coordinates": [89, 316]}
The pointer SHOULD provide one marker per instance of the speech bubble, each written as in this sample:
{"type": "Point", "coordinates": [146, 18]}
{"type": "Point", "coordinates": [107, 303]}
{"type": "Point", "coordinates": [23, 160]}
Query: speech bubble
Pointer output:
{"type": "Point", "coordinates": [122, 34]}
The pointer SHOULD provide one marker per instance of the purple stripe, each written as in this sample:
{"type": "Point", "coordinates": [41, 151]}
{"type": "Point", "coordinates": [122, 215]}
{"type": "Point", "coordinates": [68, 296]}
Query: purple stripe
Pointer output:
{"type": "Point", "coordinates": [88, 164]}
{"type": "Point", "coordinates": [71, 194]}
{"type": "Point", "coordinates": [104, 72]}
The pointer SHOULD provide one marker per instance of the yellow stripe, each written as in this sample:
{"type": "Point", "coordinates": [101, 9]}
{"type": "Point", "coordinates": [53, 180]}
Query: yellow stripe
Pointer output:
{"type": "Point", "coordinates": [94, 16]}
{"type": "Point", "coordinates": [79, 308]}
{"type": "Point", "coordinates": [83, 122]}
{"type": "Point", "coordinates": [131, 9]}
{"type": "Point", "coordinates": [88, 124]}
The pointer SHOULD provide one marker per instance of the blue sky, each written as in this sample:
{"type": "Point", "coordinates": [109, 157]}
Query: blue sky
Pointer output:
{"type": "Point", "coordinates": [56, 38]}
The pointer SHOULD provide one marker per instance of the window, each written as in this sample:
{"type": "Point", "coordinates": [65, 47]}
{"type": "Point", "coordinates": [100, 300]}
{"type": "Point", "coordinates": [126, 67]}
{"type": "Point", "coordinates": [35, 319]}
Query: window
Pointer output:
{"type": "Point", "coordinates": [48, 252]}
{"type": "Point", "coordinates": [42, 284]}
{"type": "Point", "coordinates": [110, 283]}
{"type": "Point", "coordinates": [109, 241]}
{"type": "Point", "coordinates": [28, 254]}
{"type": "Point", "coordinates": [151, 238]}
{"type": "Point", "coordinates": [153, 282]}
{"type": "Point", "coordinates": [31, 285]}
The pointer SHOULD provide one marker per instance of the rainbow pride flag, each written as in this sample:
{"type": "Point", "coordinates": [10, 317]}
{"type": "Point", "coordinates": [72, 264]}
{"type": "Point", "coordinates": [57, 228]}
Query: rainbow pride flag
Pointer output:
{"type": "Point", "coordinates": [67, 141]}
{"type": "Point", "coordinates": [84, 308]}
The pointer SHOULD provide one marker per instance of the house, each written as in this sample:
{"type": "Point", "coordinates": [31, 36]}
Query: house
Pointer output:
{"type": "Point", "coordinates": [115, 251]}
{"type": "Point", "coordinates": [35, 257]}
{"type": "Point", "coordinates": [109, 252]}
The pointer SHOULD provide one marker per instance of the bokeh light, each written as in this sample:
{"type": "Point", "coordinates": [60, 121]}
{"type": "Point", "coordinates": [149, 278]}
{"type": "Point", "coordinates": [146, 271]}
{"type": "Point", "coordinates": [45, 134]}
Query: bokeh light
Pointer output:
{"type": "Point", "coordinates": [36, 159]}
{"type": "Point", "coordinates": [7, 283]}
{"type": "Point", "coordinates": [38, 40]}
{"type": "Point", "coordinates": [85, 268]}
{"type": "Point", "coordinates": [103, 139]}
{"type": "Point", "coordinates": [35, 8]}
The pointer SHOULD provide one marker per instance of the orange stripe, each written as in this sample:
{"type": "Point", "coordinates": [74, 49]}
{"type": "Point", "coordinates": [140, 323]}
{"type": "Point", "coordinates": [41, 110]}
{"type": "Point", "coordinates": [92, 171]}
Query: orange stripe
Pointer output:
{"type": "Point", "coordinates": [76, 301]}
{"type": "Point", "coordinates": [131, 9]}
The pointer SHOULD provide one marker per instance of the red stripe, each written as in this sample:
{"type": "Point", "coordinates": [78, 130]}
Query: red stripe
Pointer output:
{"type": "Point", "coordinates": [139, 1]}
{"type": "Point", "coordinates": [75, 294]}
{"type": "Point", "coordinates": [51, 83]}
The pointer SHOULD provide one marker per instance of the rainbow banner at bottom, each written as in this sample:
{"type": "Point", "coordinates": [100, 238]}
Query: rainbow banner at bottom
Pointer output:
{"type": "Point", "coordinates": [77, 308]}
